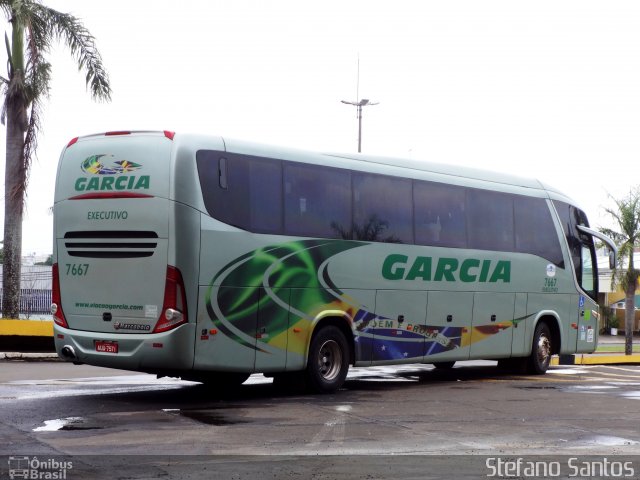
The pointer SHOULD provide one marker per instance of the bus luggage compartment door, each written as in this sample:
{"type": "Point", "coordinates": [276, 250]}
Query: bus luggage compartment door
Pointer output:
{"type": "Point", "coordinates": [492, 332]}
{"type": "Point", "coordinates": [398, 329]}
{"type": "Point", "coordinates": [226, 337]}
{"type": "Point", "coordinates": [448, 329]}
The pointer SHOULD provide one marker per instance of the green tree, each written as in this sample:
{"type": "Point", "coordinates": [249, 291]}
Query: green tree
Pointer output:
{"type": "Point", "coordinates": [34, 28]}
{"type": "Point", "coordinates": [627, 237]}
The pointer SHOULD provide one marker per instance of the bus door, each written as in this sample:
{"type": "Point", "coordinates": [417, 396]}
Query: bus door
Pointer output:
{"type": "Point", "coordinates": [587, 308]}
{"type": "Point", "coordinates": [583, 331]}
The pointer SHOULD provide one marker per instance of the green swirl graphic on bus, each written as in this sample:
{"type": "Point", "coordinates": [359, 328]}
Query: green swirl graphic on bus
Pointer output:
{"type": "Point", "coordinates": [291, 284]}
{"type": "Point", "coordinates": [94, 165]}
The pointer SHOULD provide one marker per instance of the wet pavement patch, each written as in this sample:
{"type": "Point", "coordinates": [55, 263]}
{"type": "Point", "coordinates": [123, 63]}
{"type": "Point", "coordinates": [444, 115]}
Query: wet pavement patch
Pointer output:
{"type": "Point", "coordinates": [537, 387]}
{"type": "Point", "coordinates": [66, 424]}
{"type": "Point", "coordinates": [208, 416]}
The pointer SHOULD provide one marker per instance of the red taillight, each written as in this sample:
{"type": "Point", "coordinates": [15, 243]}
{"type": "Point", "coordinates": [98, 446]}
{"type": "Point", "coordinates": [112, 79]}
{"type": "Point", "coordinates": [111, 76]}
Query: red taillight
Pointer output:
{"type": "Point", "coordinates": [56, 302]}
{"type": "Point", "coordinates": [169, 134]}
{"type": "Point", "coordinates": [174, 308]}
{"type": "Point", "coordinates": [73, 140]}
{"type": "Point", "coordinates": [110, 195]}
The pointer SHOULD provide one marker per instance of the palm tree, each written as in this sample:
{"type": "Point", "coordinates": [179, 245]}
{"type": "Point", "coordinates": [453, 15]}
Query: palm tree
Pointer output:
{"type": "Point", "coordinates": [34, 27]}
{"type": "Point", "coordinates": [627, 237]}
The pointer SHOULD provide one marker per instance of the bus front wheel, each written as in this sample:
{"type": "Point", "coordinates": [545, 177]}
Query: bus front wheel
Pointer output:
{"type": "Point", "coordinates": [541, 350]}
{"type": "Point", "coordinates": [328, 362]}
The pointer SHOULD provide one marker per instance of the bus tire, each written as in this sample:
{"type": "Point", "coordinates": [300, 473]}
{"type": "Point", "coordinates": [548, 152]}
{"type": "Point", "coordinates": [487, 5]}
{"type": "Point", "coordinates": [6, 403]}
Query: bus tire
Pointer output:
{"type": "Point", "coordinates": [444, 365]}
{"type": "Point", "coordinates": [540, 350]}
{"type": "Point", "coordinates": [328, 361]}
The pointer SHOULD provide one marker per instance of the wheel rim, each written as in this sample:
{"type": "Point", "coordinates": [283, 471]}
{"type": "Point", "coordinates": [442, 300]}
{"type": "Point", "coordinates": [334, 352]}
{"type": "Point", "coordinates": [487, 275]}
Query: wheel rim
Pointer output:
{"type": "Point", "coordinates": [544, 350]}
{"type": "Point", "coordinates": [329, 360]}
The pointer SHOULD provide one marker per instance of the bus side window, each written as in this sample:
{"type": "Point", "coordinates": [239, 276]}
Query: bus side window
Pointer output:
{"type": "Point", "coordinates": [265, 196]}
{"type": "Point", "coordinates": [315, 200]}
{"type": "Point", "coordinates": [535, 231]}
{"type": "Point", "coordinates": [581, 246]}
{"type": "Point", "coordinates": [440, 218]}
{"type": "Point", "coordinates": [382, 209]}
{"type": "Point", "coordinates": [242, 190]}
{"type": "Point", "coordinates": [587, 281]}
{"type": "Point", "coordinates": [490, 218]}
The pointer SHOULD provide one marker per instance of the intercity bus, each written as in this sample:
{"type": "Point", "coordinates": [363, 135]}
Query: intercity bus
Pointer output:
{"type": "Point", "coordinates": [211, 259]}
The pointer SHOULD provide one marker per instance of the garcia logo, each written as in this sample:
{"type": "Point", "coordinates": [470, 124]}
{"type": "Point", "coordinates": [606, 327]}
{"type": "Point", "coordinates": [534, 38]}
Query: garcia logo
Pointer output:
{"type": "Point", "coordinates": [112, 177]}
{"type": "Point", "coordinates": [400, 267]}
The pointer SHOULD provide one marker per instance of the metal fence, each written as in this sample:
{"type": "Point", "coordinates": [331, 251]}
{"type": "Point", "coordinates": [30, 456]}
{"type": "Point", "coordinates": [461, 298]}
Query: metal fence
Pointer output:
{"type": "Point", "coordinates": [35, 301]}
{"type": "Point", "coordinates": [35, 291]}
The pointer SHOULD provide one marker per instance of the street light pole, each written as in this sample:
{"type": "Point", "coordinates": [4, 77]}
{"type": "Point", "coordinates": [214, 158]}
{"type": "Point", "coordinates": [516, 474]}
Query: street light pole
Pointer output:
{"type": "Point", "coordinates": [359, 104]}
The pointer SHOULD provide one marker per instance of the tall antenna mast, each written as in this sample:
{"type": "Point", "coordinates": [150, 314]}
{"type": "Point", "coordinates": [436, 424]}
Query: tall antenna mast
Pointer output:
{"type": "Point", "coordinates": [358, 78]}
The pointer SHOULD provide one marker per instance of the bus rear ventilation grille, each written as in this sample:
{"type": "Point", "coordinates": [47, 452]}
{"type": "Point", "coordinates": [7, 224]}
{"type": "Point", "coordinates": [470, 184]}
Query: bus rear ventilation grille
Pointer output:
{"type": "Point", "coordinates": [111, 244]}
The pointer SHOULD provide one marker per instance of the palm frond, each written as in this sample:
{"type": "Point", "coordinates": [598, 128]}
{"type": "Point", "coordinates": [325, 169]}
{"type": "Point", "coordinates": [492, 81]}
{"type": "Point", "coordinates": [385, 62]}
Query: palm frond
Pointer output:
{"type": "Point", "coordinates": [627, 236]}
{"type": "Point", "coordinates": [5, 6]}
{"type": "Point", "coordinates": [48, 24]}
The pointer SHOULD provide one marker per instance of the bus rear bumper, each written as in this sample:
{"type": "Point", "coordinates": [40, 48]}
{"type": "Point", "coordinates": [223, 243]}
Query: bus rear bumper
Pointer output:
{"type": "Point", "coordinates": [172, 350]}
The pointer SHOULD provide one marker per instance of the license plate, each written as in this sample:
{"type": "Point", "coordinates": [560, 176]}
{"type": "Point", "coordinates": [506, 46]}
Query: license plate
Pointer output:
{"type": "Point", "coordinates": [106, 347]}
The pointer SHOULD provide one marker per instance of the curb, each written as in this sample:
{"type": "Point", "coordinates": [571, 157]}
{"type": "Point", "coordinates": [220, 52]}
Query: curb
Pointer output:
{"type": "Point", "coordinates": [27, 328]}
{"type": "Point", "coordinates": [595, 359]}
{"type": "Point", "coordinates": [29, 357]}
{"type": "Point", "coordinates": [33, 336]}
{"type": "Point", "coordinates": [600, 359]}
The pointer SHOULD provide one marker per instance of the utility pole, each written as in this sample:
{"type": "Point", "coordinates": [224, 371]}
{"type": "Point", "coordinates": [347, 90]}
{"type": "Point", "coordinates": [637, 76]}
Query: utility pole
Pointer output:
{"type": "Point", "coordinates": [359, 103]}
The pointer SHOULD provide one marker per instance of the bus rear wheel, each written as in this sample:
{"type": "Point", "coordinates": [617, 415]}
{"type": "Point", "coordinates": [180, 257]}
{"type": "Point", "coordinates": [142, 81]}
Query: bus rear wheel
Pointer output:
{"type": "Point", "coordinates": [541, 350]}
{"type": "Point", "coordinates": [328, 361]}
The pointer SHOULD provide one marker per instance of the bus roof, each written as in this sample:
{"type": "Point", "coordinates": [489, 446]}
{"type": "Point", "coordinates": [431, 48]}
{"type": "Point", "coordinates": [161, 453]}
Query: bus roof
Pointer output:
{"type": "Point", "coordinates": [456, 173]}
{"type": "Point", "coordinates": [452, 171]}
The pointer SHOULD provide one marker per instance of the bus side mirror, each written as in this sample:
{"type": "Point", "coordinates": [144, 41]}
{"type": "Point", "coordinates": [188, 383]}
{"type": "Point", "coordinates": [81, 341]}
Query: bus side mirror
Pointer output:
{"type": "Point", "coordinates": [612, 259]}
